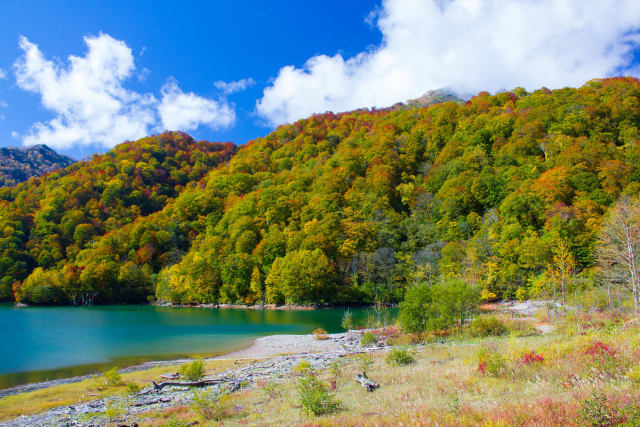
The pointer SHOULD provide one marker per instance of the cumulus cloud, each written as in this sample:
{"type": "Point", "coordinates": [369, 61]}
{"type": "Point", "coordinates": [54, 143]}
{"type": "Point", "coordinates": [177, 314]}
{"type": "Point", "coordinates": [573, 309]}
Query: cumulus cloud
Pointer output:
{"type": "Point", "coordinates": [186, 111]}
{"type": "Point", "coordinates": [91, 105]}
{"type": "Point", "coordinates": [467, 45]}
{"type": "Point", "coordinates": [236, 86]}
{"type": "Point", "coordinates": [3, 74]}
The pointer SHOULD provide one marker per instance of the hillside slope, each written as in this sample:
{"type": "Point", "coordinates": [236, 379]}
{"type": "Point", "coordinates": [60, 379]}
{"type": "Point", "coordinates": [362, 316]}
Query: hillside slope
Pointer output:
{"type": "Point", "coordinates": [356, 207]}
{"type": "Point", "coordinates": [19, 164]}
{"type": "Point", "coordinates": [48, 220]}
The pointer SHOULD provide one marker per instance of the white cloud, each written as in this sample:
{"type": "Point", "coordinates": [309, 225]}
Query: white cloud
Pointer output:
{"type": "Point", "coordinates": [90, 104]}
{"type": "Point", "coordinates": [3, 74]}
{"type": "Point", "coordinates": [186, 111]}
{"type": "Point", "coordinates": [467, 45]}
{"type": "Point", "coordinates": [236, 86]}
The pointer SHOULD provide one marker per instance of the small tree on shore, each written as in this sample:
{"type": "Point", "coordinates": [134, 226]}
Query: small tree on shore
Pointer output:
{"type": "Point", "coordinates": [618, 250]}
{"type": "Point", "coordinates": [439, 306]}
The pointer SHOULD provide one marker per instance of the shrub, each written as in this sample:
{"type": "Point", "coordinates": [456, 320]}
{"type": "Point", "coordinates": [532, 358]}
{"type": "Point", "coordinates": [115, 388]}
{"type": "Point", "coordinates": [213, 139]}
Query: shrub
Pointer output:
{"type": "Point", "coordinates": [596, 411]}
{"type": "Point", "coordinates": [399, 357]}
{"type": "Point", "coordinates": [113, 412]}
{"type": "Point", "coordinates": [599, 350]}
{"type": "Point", "coordinates": [271, 389]}
{"type": "Point", "coordinates": [335, 368]}
{"type": "Point", "coordinates": [439, 306]}
{"type": "Point", "coordinates": [487, 326]}
{"type": "Point", "coordinates": [192, 371]}
{"type": "Point", "coordinates": [347, 320]}
{"type": "Point", "coordinates": [491, 363]}
{"type": "Point", "coordinates": [521, 294]}
{"type": "Point", "coordinates": [211, 405]}
{"type": "Point", "coordinates": [531, 358]}
{"type": "Point", "coordinates": [320, 334]}
{"type": "Point", "coordinates": [367, 339]}
{"type": "Point", "coordinates": [302, 368]}
{"type": "Point", "coordinates": [315, 399]}
{"type": "Point", "coordinates": [112, 376]}
{"type": "Point", "coordinates": [133, 388]}
{"type": "Point", "coordinates": [176, 422]}
{"type": "Point", "coordinates": [365, 361]}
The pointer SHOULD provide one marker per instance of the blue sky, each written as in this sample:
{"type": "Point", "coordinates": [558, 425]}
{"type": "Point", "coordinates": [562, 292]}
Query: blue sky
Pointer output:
{"type": "Point", "coordinates": [144, 66]}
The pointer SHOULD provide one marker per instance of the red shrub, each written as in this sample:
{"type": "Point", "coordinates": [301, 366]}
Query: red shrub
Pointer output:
{"type": "Point", "coordinates": [599, 349]}
{"type": "Point", "coordinates": [531, 357]}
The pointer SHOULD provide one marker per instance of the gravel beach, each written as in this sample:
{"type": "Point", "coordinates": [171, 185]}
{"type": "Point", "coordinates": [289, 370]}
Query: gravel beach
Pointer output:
{"type": "Point", "coordinates": [271, 357]}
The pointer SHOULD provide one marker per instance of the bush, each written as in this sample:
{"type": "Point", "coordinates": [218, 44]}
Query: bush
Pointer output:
{"type": "Point", "coordinates": [315, 399]}
{"type": "Point", "coordinates": [596, 411]}
{"type": "Point", "coordinates": [365, 361]}
{"type": "Point", "coordinates": [439, 306]}
{"type": "Point", "coordinates": [491, 363]}
{"type": "Point", "coordinates": [211, 405]}
{"type": "Point", "coordinates": [133, 388]}
{"type": "Point", "coordinates": [521, 294]}
{"type": "Point", "coordinates": [531, 358]}
{"type": "Point", "coordinates": [112, 376]}
{"type": "Point", "coordinates": [335, 368]}
{"type": "Point", "coordinates": [320, 334]}
{"type": "Point", "coordinates": [487, 326]}
{"type": "Point", "coordinates": [399, 357]}
{"type": "Point", "coordinates": [302, 368]}
{"type": "Point", "coordinates": [271, 389]}
{"type": "Point", "coordinates": [176, 422]}
{"type": "Point", "coordinates": [347, 320]}
{"type": "Point", "coordinates": [367, 339]}
{"type": "Point", "coordinates": [113, 412]}
{"type": "Point", "coordinates": [193, 371]}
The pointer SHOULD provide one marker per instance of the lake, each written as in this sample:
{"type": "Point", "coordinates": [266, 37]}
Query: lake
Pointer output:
{"type": "Point", "coordinates": [40, 343]}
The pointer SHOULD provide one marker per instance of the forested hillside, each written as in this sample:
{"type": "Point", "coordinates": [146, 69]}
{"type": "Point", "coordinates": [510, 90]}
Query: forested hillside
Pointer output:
{"type": "Point", "coordinates": [20, 164]}
{"type": "Point", "coordinates": [47, 221]}
{"type": "Point", "coordinates": [351, 207]}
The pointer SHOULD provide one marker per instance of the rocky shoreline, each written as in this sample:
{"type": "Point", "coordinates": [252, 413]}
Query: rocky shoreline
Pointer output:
{"type": "Point", "coordinates": [264, 361]}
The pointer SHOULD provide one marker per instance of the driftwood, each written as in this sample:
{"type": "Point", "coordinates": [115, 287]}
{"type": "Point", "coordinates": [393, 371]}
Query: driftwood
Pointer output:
{"type": "Point", "coordinates": [366, 382]}
{"type": "Point", "coordinates": [151, 402]}
{"type": "Point", "coordinates": [170, 376]}
{"type": "Point", "coordinates": [159, 387]}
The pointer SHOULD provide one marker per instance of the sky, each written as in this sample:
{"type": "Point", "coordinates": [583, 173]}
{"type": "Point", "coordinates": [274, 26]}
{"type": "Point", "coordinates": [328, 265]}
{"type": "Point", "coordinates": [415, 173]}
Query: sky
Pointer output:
{"type": "Point", "coordinates": [82, 76]}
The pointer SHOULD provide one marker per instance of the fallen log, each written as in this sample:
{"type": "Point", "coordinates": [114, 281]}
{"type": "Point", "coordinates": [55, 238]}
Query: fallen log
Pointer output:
{"type": "Point", "coordinates": [151, 402]}
{"type": "Point", "coordinates": [170, 376]}
{"type": "Point", "coordinates": [366, 382]}
{"type": "Point", "coordinates": [159, 387]}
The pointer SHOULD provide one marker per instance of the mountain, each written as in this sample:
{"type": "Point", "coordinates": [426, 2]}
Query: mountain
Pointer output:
{"type": "Point", "coordinates": [20, 164]}
{"type": "Point", "coordinates": [48, 220]}
{"type": "Point", "coordinates": [349, 207]}
{"type": "Point", "coordinates": [437, 96]}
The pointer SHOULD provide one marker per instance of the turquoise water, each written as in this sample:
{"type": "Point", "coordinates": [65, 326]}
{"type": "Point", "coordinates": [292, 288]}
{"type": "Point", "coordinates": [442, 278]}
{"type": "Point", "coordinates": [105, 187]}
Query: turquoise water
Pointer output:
{"type": "Point", "coordinates": [40, 343]}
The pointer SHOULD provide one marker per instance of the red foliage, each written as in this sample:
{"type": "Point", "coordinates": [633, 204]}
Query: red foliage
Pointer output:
{"type": "Point", "coordinates": [600, 349]}
{"type": "Point", "coordinates": [531, 357]}
{"type": "Point", "coordinates": [482, 367]}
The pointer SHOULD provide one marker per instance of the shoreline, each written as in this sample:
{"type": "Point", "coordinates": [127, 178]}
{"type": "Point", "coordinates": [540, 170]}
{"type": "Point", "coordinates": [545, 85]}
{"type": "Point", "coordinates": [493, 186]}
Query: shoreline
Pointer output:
{"type": "Point", "coordinates": [284, 307]}
{"type": "Point", "coordinates": [269, 358]}
{"type": "Point", "coordinates": [264, 347]}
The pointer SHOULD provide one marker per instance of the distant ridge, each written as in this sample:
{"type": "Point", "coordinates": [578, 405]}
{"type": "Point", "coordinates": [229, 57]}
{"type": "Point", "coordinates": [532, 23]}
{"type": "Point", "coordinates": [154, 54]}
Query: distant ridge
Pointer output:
{"type": "Point", "coordinates": [431, 97]}
{"type": "Point", "coordinates": [437, 96]}
{"type": "Point", "coordinates": [20, 164]}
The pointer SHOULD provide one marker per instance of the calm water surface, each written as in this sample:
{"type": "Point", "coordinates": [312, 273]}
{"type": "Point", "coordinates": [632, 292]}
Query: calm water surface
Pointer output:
{"type": "Point", "coordinates": [39, 343]}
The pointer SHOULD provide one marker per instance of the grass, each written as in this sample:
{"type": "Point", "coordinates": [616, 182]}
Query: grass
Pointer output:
{"type": "Point", "coordinates": [584, 373]}
{"type": "Point", "coordinates": [445, 386]}
{"type": "Point", "coordinates": [68, 394]}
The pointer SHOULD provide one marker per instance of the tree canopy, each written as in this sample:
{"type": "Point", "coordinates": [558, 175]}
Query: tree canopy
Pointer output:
{"type": "Point", "coordinates": [350, 207]}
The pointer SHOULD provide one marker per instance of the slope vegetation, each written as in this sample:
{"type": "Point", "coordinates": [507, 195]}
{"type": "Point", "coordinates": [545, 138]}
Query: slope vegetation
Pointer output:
{"type": "Point", "coordinates": [47, 221]}
{"type": "Point", "coordinates": [356, 207]}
